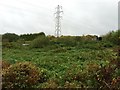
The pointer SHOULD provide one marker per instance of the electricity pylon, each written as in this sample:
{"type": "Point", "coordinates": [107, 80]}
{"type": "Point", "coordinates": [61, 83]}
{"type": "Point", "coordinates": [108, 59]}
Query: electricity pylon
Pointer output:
{"type": "Point", "coordinates": [57, 20]}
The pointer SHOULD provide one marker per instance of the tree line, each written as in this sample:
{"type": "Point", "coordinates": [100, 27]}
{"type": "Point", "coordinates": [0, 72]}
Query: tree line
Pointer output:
{"type": "Point", "coordinates": [12, 37]}
{"type": "Point", "coordinates": [38, 40]}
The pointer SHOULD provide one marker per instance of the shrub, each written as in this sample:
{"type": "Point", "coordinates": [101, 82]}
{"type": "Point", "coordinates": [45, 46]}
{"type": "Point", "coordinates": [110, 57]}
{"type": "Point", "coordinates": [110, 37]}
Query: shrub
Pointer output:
{"type": "Point", "coordinates": [14, 45]}
{"type": "Point", "coordinates": [7, 45]}
{"type": "Point", "coordinates": [105, 77]}
{"type": "Point", "coordinates": [75, 74]}
{"type": "Point", "coordinates": [39, 42]}
{"type": "Point", "coordinates": [113, 37]}
{"type": "Point", "coordinates": [50, 84]}
{"type": "Point", "coordinates": [92, 67]}
{"type": "Point", "coordinates": [107, 44]}
{"type": "Point", "coordinates": [67, 40]}
{"type": "Point", "coordinates": [60, 50]}
{"type": "Point", "coordinates": [116, 82]}
{"type": "Point", "coordinates": [20, 75]}
{"type": "Point", "coordinates": [73, 84]}
{"type": "Point", "coordinates": [5, 64]}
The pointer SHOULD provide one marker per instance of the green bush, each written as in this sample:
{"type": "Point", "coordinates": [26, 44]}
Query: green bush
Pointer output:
{"type": "Point", "coordinates": [60, 50]}
{"type": "Point", "coordinates": [108, 44]}
{"type": "Point", "coordinates": [20, 75]}
{"type": "Point", "coordinates": [113, 37]}
{"type": "Point", "coordinates": [14, 45]}
{"type": "Point", "coordinates": [67, 40]}
{"type": "Point", "coordinates": [75, 73]}
{"type": "Point", "coordinates": [39, 42]}
{"type": "Point", "coordinates": [7, 45]}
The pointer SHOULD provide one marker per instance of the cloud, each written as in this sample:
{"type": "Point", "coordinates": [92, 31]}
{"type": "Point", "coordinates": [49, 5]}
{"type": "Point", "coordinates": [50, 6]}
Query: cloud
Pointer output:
{"type": "Point", "coordinates": [80, 16]}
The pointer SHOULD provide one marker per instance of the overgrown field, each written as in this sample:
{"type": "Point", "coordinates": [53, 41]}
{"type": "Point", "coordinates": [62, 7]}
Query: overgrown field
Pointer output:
{"type": "Point", "coordinates": [40, 61]}
{"type": "Point", "coordinates": [69, 67]}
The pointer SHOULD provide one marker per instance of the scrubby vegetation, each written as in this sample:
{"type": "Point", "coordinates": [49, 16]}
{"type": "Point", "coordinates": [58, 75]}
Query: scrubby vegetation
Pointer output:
{"type": "Point", "coordinates": [64, 62]}
{"type": "Point", "coordinates": [20, 75]}
{"type": "Point", "coordinates": [39, 42]}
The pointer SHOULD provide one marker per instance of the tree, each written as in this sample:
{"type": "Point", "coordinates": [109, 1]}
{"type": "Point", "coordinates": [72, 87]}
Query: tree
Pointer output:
{"type": "Point", "coordinates": [39, 42]}
{"type": "Point", "coordinates": [10, 37]}
{"type": "Point", "coordinates": [30, 37]}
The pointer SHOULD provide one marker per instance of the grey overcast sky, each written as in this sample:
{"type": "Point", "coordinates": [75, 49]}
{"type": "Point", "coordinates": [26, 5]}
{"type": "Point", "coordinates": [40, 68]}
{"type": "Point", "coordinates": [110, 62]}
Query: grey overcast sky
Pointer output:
{"type": "Point", "coordinates": [80, 16]}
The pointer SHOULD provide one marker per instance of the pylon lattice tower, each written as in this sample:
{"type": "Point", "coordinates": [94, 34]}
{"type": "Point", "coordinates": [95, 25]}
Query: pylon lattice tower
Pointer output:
{"type": "Point", "coordinates": [57, 20]}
